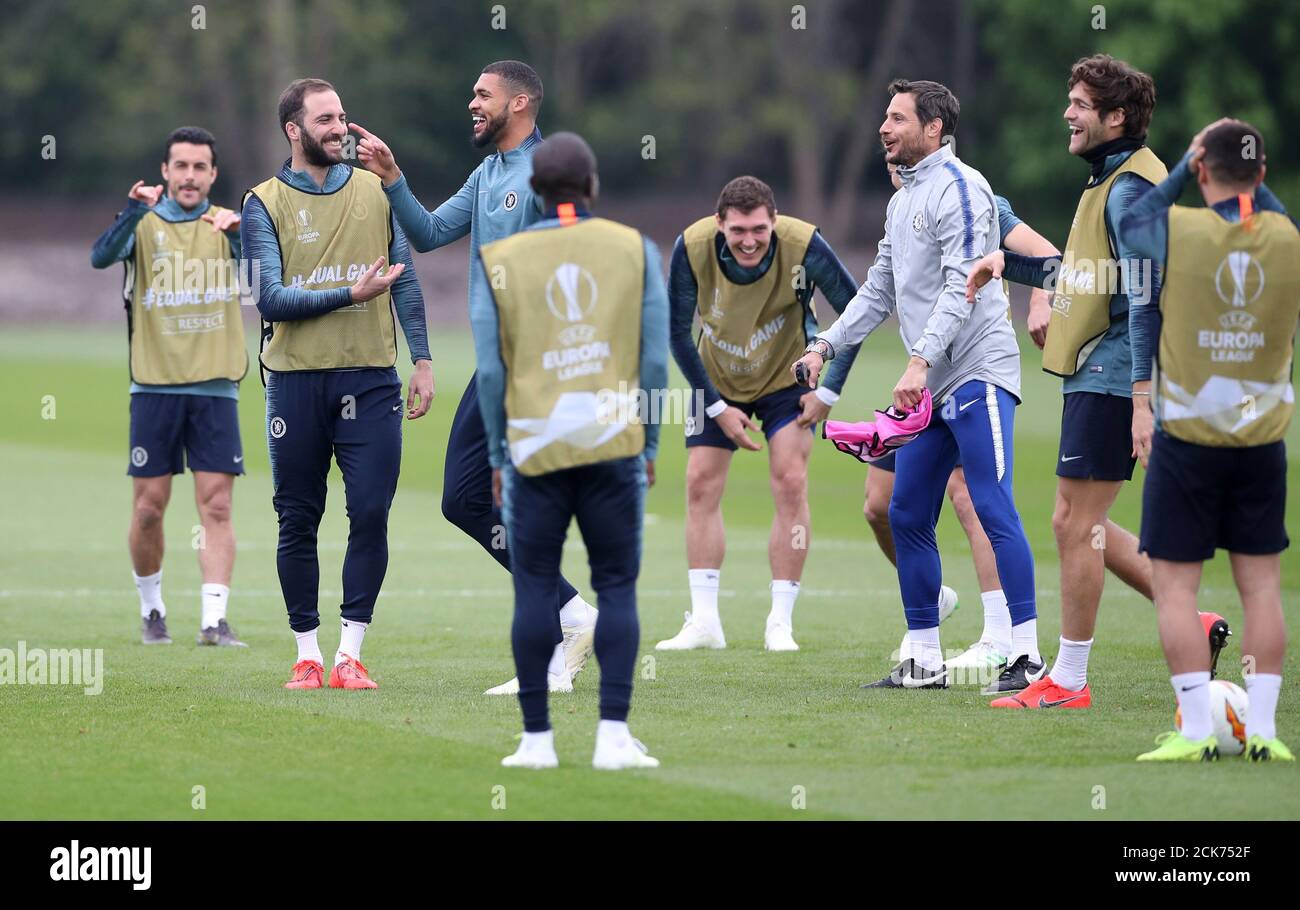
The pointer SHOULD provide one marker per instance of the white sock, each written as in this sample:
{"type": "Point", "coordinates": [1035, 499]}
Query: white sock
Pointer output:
{"type": "Point", "coordinates": [1071, 668]}
{"type": "Point", "coordinates": [308, 648]}
{"type": "Point", "coordinates": [784, 594]}
{"type": "Point", "coordinates": [613, 732]}
{"type": "Point", "coordinates": [556, 667]}
{"type": "Point", "coordinates": [1193, 692]}
{"type": "Point", "coordinates": [924, 647]}
{"type": "Point", "coordinates": [1024, 640]}
{"type": "Point", "coordinates": [997, 621]}
{"type": "Point", "coordinates": [150, 588]}
{"type": "Point", "coordinates": [704, 595]}
{"type": "Point", "coordinates": [213, 599]}
{"type": "Point", "coordinates": [538, 742]}
{"type": "Point", "coordinates": [350, 641]}
{"type": "Point", "coordinates": [577, 612]}
{"type": "Point", "coordinates": [1263, 689]}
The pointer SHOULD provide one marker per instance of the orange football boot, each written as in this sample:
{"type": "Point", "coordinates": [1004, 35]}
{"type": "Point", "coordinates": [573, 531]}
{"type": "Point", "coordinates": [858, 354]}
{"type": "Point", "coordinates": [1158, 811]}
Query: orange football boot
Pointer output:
{"type": "Point", "coordinates": [1046, 694]}
{"type": "Point", "coordinates": [307, 674]}
{"type": "Point", "coordinates": [351, 674]}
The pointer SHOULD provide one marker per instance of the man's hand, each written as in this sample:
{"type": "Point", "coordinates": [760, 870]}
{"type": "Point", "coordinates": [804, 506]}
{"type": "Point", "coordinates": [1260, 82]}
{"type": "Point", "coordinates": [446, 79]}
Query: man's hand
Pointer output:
{"type": "Point", "coordinates": [1143, 423]}
{"type": "Point", "coordinates": [649, 473]}
{"type": "Point", "coordinates": [813, 363]}
{"type": "Point", "coordinates": [419, 394]}
{"type": "Point", "coordinates": [734, 423]}
{"type": "Point", "coordinates": [1040, 314]}
{"type": "Point", "coordinates": [496, 488]}
{"type": "Point", "coordinates": [372, 284]}
{"type": "Point", "coordinates": [981, 273]}
{"type": "Point", "coordinates": [1197, 150]}
{"type": "Point", "coordinates": [907, 393]}
{"type": "Point", "coordinates": [149, 195]}
{"type": "Point", "coordinates": [375, 155]}
{"type": "Point", "coordinates": [814, 410]}
{"type": "Point", "coordinates": [221, 219]}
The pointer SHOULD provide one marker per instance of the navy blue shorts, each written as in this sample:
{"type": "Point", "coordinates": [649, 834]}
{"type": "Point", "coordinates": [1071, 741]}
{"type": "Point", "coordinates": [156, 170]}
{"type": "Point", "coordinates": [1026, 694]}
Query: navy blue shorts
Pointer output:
{"type": "Point", "coordinates": [773, 410]}
{"type": "Point", "coordinates": [1096, 437]}
{"type": "Point", "coordinates": [169, 431]}
{"type": "Point", "coordinates": [1200, 498]}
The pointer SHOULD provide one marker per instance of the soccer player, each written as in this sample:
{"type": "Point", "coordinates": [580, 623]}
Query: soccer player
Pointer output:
{"type": "Point", "coordinates": [750, 274]}
{"type": "Point", "coordinates": [187, 358]}
{"type": "Point", "coordinates": [1223, 339]}
{"type": "Point", "coordinates": [495, 202]}
{"type": "Point", "coordinates": [559, 385]}
{"type": "Point", "coordinates": [943, 221]}
{"type": "Point", "coordinates": [1110, 106]}
{"type": "Point", "coordinates": [988, 655]}
{"type": "Point", "coordinates": [321, 233]}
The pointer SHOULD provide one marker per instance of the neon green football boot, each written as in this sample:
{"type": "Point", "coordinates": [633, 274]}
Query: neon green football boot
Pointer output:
{"type": "Point", "coordinates": [1173, 746]}
{"type": "Point", "coordinates": [1260, 749]}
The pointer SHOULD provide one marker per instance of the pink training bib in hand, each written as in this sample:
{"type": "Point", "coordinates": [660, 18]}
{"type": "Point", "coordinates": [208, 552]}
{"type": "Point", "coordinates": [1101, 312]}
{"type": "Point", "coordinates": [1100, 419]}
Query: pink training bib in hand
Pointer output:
{"type": "Point", "coordinates": [870, 441]}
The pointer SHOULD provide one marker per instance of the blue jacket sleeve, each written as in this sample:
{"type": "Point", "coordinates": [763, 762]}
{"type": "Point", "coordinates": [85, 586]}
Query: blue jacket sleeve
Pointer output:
{"type": "Point", "coordinates": [408, 299]}
{"type": "Point", "coordinates": [429, 230]}
{"type": "Point", "coordinates": [1007, 218]}
{"type": "Point", "coordinates": [118, 242]}
{"type": "Point", "coordinates": [1035, 271]}
{"type": "Point", "coordinates": [838, 286]}
{"type": "Point", "coordinates": [490, 368]}
{"type": "Point", "coordinates": [276, 302]}
{"type": "Point", "coordinates": [654, 344]}
{"type": "Point", "coordinates": [682, 294]}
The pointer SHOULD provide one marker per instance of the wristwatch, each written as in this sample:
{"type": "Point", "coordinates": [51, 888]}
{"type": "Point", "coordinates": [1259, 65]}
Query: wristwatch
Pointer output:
{"type": "Point", "coordinates": [820, 346]}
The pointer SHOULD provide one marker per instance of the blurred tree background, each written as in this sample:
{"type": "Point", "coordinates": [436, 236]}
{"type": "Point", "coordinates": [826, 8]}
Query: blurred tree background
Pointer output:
{"type": "Point", "coordinates": [676, 96]}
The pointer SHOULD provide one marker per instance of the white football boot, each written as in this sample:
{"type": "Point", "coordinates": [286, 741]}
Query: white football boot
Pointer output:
{"type": "Point", "coordinates": [947, 607]}
{"type": "Point", "coordinates": [558, 678]}
{"type": "Point", "coordinates": [579, 643]}
{"type": "Point", "coordinates": [779, 637]}
{"type": "Point", "coordinates": [978, 665]}
{"type": "Point", "coordinates": [695, 635]}
{"type": "Point", "coordinates": [536, 751]}
{"type": "Point", "coordinates": [617, 753]}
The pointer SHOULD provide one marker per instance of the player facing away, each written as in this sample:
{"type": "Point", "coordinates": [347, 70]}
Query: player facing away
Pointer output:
{"type": "Point", "coordinates": [943, 221]}
{"type": "Point", "coordinates": [750, 274]}
{"type": "Point", "coordinates": [495, 202]}
{"type": "Point", "coordinates": [321, 233]}
{"type": "Point", "coordinates": [187, 358]}
{"type": "Point", "coordinates": [1087, 343]}
{"type": "Point", "coordinates": [573, 335]}
{"type": "Point", "coordinates": [988, 655]}
{"type": "Point", "coordinates": [1223, 339]}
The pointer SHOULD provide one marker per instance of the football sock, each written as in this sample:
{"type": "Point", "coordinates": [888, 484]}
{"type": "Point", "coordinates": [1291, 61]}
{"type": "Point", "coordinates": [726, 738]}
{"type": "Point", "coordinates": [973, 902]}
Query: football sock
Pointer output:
{"type": "Point", "coordinates": [150, 588]}
{"type": "Point", "coordinates": [1071, 668]}
{"type": "Point", "coordinates": [543, 740]}
{"type": "Point", "coordinates": [704, 595]}
{"type": "Point", "coordinates": [1263, 690]}
{"type": "Point", "coordinates": [350, 641]}
{"type": "Point", "coordinates": [1024, 640]}
{"type": "Point", "coordinates": [308, 648]}
{"type": "Point", "coordinates": [784, 594]}
{"type": "Point", "coordinates": [613, 732]}
{"type": "Point", "coordinates": [577, 612]}
{"type": "Point", "coordinates": [213, 598]}
{"type": "Point", "coordinates": [924, 646]}
{"type": "Point", "coordinates": [1193, 692]}
{"type": "Point", "coordinates": [997, 621]}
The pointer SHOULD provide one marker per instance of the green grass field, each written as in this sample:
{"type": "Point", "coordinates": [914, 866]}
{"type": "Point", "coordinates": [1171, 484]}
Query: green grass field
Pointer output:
{"type": "Point", "coordinates": [741, 733]}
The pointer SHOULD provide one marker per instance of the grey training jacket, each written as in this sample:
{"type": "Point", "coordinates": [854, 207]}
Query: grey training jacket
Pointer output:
{"type": "Point", "coordinates": [936, 227]}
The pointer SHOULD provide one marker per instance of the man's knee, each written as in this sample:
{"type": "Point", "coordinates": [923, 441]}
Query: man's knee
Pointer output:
{"type": "Point", "coordinates": [148, 509]}
{"type": "Point", "coordinates": [790, 487]}
{"type": "Point", "coordinates": [704, 484]}
{"type": "Point", "coordinates": [214, 508]}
